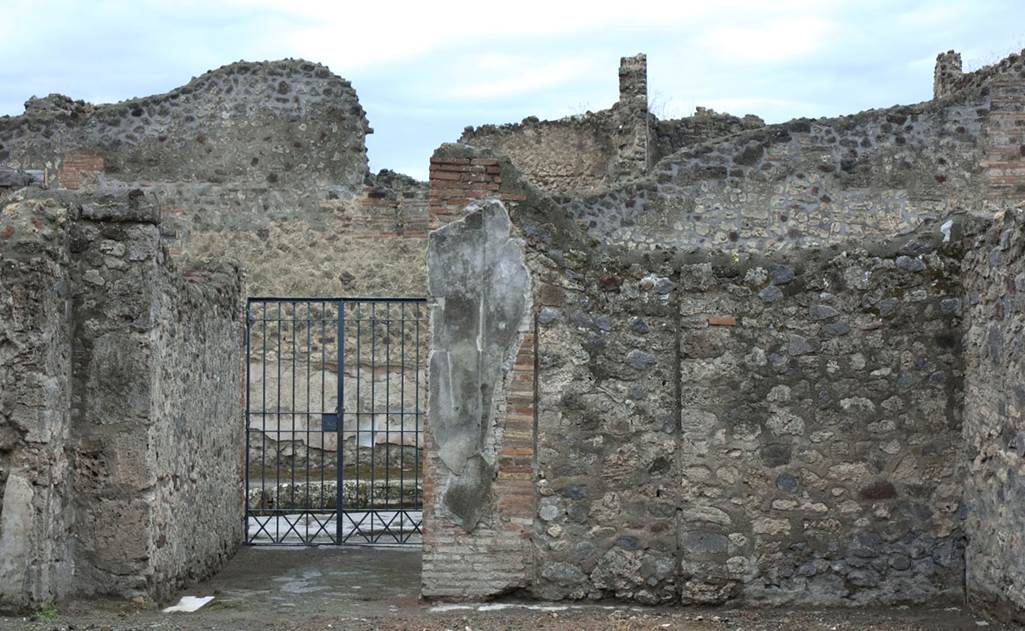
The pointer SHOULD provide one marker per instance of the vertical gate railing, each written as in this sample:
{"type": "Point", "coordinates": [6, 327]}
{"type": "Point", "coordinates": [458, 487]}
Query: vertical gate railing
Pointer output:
{"type": "Point", "coordinates": [335, 391]}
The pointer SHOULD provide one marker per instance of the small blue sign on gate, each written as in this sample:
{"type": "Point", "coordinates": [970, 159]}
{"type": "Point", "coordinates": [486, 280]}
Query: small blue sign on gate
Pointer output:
{"type": "Point", "coordinates": [329, 422]}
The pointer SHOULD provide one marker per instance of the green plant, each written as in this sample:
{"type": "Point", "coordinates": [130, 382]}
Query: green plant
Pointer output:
{"type": "Point", "coordinates": [46, 614]}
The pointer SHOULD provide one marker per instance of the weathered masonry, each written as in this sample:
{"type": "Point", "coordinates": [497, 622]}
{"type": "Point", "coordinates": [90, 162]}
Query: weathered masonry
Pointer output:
{"type": "Point", "coordinates": [773, 364]}
{"type": "Point", "coordinates": [120, 397]}
{"type": "Point", "coordinates": [688, 361]}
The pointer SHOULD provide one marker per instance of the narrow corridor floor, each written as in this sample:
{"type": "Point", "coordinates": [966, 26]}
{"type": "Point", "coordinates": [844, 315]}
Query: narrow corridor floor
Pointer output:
{"type": "Point", "coordinates": [364, 588]}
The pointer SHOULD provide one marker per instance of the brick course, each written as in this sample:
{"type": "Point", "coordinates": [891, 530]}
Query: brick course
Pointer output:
{"type": "Point", "coordinates": [77, 164]}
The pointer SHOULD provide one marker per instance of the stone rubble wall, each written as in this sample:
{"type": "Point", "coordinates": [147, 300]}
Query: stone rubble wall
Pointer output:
{"type": "Point", "coordinates": [195, 445]}
{"type": "Point", "coordinates": [570, 154]}
{"type": "Point", "coordinates": [704, 126]}
{"type": "Point", "coordinates": [781, 430]}
{"type": "Point", "coordinates": [142, 433]}
{"type": "Point", "coordinates": [262, 162]}
{"type": "Point", "coordinates": [117, 272]}
{"type": "Point", "coordinates": [802, 184]}
{"type": "Point", "coordinates": [595, 150]}
{"type": "Point", "coordinates": [994, 417]}
{"type": "Point", "coordinates": [777, 428]}
{"type": "Point", "coordinates": [35, 394]}
{"type": "Point", "coordinates": [258, 122]}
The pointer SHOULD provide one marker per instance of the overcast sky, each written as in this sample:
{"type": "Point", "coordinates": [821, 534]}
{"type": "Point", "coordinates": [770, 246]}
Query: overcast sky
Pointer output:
{"type": "Point", "coordinates": [424, 70]}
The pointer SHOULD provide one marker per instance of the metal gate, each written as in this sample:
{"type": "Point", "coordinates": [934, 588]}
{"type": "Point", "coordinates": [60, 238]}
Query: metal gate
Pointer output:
{"type": "Point", "coordinates": [334, 395]}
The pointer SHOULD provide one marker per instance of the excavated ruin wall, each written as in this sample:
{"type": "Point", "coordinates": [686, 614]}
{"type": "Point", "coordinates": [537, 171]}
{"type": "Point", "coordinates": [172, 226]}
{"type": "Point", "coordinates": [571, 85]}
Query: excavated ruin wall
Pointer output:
{"type": "Point", "coordinates": [35, 394]}
{"type": "Point", "coordinates": [262, 162]}
{"type": "Point", "coordinates": [590, 151]}
{"type": "Point", "coordinates": [129, 447]}
{"type": "Point", "coordinates": [803, 184]}
{"type": "Point", "coordinates": [781, 430]}
{"type": "Point", "coordinates": [994, 416]}
{"type": "Point", "coordinates": [775, 427]}
{"type": "Point", "coordinates": [571, 154]}
{"type": "Point", "coordinates": [194, 448]}
{"type": "Point", "coordinates": [581, 153]}
{"type": "Point", "coordinates": [255, 121]}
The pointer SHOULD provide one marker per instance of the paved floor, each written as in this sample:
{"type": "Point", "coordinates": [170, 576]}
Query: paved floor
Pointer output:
{"type": "Point", "coordinates": [364, 588]}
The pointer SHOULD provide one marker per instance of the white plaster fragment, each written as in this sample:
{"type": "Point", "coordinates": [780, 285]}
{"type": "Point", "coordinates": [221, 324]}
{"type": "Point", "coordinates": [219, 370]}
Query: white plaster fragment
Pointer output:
{"type": "Point", "coordinates": [189, 604]}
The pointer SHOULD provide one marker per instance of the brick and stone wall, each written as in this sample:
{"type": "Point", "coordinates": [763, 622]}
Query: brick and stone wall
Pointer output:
{"type": "Point", "coordinates": [262, 162]}
{"type": "Point", "coordinates": [479, 463]}
{"type": "Point", "coordinates": [780, 427]}
{"type": "Point", "coordinates": [801, 184]}
{"type": "Point", "coordinates": [248, 121]}
{"type": "Point", "coordinates": [994, 416]}
{"type": "Point", "coordinates": [583, 152]}
{"type": "Point", "coordinates": [111, 462]}
{"type": "Point", "coordinates": [596, 150]}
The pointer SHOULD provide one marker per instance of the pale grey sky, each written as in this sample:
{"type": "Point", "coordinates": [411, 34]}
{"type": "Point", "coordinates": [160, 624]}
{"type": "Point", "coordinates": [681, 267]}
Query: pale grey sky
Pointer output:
{"type": "Point", "coordinates": [424, 70]}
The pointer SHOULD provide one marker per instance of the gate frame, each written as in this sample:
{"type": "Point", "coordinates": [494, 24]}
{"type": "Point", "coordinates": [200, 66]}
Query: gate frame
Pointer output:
{"type": "Point", "coordinates": [419, 463]}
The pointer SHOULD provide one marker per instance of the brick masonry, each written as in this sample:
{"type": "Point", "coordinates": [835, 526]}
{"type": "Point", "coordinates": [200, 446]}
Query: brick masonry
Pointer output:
{"type": "Point", "coordinates": [76, 166]}
{"type": "Point", "coordinates": [1005, 140]}
{"type": "Point", "coordinates": [499, 549]}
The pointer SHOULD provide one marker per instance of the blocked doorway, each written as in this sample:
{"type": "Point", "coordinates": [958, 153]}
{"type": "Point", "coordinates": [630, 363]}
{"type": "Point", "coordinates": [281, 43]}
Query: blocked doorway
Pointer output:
{"type": "Point", "coordinates": [335, 393]}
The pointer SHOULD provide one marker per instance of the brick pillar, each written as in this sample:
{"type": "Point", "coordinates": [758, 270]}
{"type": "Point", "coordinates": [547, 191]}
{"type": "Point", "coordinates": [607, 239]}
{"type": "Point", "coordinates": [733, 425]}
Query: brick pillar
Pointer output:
{"type": "Point", "coordinates": [76, 164]}
{"type": "Point", "coordinates": [456, 181]}
{"type": "Point", "coordinates": [1005, 139]}
{"type": "Point", "coordinates": [946, 74]}
{"type": "Point", "coordinates": [496, 556]}
{"type": "Point", "coordinates": [514, 487]}
{"type": "Point", "coordinates": [460, 176]}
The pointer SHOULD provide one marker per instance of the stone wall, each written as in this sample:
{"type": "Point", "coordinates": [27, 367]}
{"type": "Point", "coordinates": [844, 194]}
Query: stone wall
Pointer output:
{"type": "Point", "coordinates": [994, 417]}
{"type": "Point", "coordinates": [35, 393]}
{"type": "Point", "coordinates": [802, 184]}
{"type": "Point", "coordinates": [262, 162]}
{"type": "Point", "coordinates": [260, 122]}
{"type": "Point", "coordinates": [705, 125]}
{"type": "Point", "coordinates": [779, 427]}
{"type": "Point", "coordinates": [584, 152]}
{"type": "Point", "coordinates": [596, 150]}
{"type": "Point", "coordinates": [195, 445]}
{"type": "Point", "coordinates": [775, 430]}
{"type": "Point", "coordinates": [136, 464]}
{"type": "Point", "coordinates": [570, 154]}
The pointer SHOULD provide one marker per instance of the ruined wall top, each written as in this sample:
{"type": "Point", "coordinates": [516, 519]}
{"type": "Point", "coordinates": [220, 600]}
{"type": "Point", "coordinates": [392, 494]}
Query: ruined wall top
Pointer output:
{"type": "Point", "coordinates": [267, 122]}
{"type": "Point", "coordinates": [948, 71]}
{"type": "Point", "coordinates": [950, 79]}
{"type": "Point", "coordinates": [586, 152]}
{"type": "Point", "coordinates": [633, 80]}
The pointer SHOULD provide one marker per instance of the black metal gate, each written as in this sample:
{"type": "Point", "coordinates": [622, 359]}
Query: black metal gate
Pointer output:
{"type": "Point", "coordinates": [334, 395]}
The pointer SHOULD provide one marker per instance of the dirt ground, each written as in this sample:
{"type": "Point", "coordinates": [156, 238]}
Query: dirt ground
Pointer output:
{"type": "Point", "coordinates": [363, 588]}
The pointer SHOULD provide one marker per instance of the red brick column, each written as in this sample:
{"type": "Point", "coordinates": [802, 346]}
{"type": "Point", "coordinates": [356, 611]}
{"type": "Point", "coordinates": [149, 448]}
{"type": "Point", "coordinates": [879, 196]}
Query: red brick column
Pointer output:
{"type": "Point", "coordinates": [497, 556]}
{"type": "Point", "coordinates": [1005, 139]}
{"type": "Point", "coordinates": [456, 182]}
{"type": "Point", "coordinates": [514, 487]}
